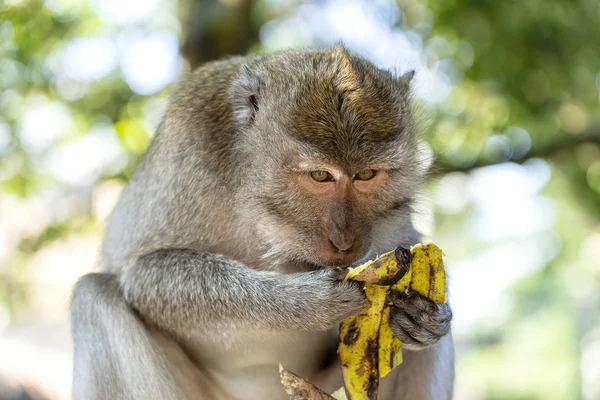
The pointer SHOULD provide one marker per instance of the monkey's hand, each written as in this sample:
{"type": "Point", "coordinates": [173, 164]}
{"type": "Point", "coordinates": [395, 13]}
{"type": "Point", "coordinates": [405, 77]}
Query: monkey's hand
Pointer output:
{"type": "Point", "coordinates": [331, 301]}
{"type": "Point", "coordinates": [417, 321]}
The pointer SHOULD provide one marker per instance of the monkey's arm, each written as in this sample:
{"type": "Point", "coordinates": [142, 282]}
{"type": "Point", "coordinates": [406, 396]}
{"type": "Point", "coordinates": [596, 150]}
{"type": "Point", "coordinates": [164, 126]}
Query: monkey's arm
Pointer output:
{"type": "Point", "coordinates": [118, 357]}
{"type": "Point", "coordinates": [110, 344]}
{"type": "Point", "coordinates": [182, 290]}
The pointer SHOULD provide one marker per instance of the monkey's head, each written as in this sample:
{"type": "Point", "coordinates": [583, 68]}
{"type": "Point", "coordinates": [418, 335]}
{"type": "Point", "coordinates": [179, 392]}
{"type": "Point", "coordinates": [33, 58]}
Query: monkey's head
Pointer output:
{"type": "Point", "coordinates": [329, 154]}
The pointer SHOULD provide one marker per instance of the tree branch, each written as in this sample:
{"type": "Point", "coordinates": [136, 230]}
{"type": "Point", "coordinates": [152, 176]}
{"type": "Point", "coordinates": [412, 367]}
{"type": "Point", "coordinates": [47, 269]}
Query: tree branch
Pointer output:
{"type": "Point", "coordinates": [441, 166]}
{"type": "Point", "coordinates": [214, 29]}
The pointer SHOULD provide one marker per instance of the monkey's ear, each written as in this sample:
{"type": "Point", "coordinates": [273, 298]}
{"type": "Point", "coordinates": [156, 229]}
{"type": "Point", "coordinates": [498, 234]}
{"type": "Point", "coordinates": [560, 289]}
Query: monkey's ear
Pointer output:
{"type": "Point", "coordinates": [406, 78]}
{"type": "Point", "coordinates": [248, 89]}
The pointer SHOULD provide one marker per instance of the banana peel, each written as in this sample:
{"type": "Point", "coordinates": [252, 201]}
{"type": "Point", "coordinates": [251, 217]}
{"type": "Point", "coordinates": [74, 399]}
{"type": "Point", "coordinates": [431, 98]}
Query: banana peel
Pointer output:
{"type": "Point", "coordinates": [368, 349]}
{"type": "Point", "coordinates": [428, 275]}
{"type": "Point", "coordinates": [299, 388]}
{"type": "Point", "coordinates": [360, 343]}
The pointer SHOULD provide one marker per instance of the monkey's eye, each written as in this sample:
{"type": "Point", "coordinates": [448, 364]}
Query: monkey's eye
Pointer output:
{"type": "Point", "coordinates": [321, 176]}
{"type": "Point", "coordinates": [366, 174]}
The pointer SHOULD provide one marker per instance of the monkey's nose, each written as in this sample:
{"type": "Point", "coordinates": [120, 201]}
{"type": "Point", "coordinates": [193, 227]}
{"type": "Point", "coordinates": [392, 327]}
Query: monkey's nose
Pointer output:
{"type": "Point", "coordinates": [343, 243]}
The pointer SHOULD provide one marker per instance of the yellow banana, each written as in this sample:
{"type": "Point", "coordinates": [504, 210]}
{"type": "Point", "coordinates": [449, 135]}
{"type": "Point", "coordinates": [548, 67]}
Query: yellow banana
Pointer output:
{"type": "Point", "coordinates": [390, 354]}
{"type": "Point", "coordinates": [368, 349]}
{"type": "Point", "coordinates": [428, 276]}
{"type": "Point", "coordinates": [359, 345]}
{"type": "Point", "coordinates": [385, 270]}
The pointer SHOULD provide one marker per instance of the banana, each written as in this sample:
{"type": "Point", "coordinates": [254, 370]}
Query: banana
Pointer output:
{"type": "Point", "coordinates": [359, 346]}
{"type": "Point", "coordinates": [299, 388]}
{"type": "Point", "coordinates": [389, 354]}
{"type": "Point", "coordinates": [368, 349]}
{"type": "Point", "coordinates": [428, 276]}
{"type": "Point", "coordinates": [385, 270]}
{"type": "Point", "coordinates": [340, 394]}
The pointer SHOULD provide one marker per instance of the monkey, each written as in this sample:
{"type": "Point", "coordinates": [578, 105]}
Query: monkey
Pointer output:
{"type": "Point", "coordinates": [266, 172]}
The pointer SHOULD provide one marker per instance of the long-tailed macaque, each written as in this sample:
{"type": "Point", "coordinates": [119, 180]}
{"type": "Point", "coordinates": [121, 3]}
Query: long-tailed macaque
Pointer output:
{"type": "Point", "coordinates": [266, 171]}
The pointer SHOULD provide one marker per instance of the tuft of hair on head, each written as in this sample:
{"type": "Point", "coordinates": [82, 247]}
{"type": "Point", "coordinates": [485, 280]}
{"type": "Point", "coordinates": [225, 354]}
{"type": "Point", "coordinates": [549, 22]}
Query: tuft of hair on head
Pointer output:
{"type": "Point", "coordinates": [346, 78]}
{"type": "Point", "coordinates": [247, 93]}
{"type": "Point", "coordinates": [406, 79]}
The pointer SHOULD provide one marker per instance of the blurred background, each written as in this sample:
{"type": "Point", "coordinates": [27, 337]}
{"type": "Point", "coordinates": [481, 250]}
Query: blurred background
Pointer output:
{"type": "Point", "coordinates": [510, 92]}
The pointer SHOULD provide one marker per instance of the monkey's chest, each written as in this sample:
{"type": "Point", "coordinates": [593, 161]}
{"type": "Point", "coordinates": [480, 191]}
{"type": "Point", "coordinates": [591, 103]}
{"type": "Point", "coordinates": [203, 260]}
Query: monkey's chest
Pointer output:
{"type": "Point", "coordinates": [249, 368]}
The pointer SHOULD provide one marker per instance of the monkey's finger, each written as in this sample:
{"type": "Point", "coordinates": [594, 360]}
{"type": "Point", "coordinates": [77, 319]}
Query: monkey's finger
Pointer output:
{"type": "Point", "coordinates": [415, 304]}
{"type": "Point", "coordinates": [406, 325]}
{"type": "Point", "coordinates": [436, 318]}
{"type": "Point", "coordinates": [340, 273]}
{"type": "Point", "coordinates": [420, 307]}
{"type": "Point", "coordinates": [440, 321]}
{"type": "Point", "coordinates": [406, 338]}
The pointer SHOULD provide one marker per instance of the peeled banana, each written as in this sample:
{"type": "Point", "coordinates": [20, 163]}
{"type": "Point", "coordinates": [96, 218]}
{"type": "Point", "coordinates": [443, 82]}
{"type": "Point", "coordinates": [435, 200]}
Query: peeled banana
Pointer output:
{"type": "Point", "coordinates": [368, 349]}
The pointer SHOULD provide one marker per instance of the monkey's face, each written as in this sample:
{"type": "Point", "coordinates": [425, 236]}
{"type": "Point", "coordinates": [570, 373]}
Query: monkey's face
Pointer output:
{"type": "Point", "coordinates": [330, 158]}
{"type": "Point", "coordinates": [341, 205]}
{"type": "Point", "coordinates": [317, 212]}
{"type": "Point", "coordinates": [319, 200]}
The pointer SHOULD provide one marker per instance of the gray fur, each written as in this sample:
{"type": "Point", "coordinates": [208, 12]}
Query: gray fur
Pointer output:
{"type": "Point", "coordinates": [212, 276]}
